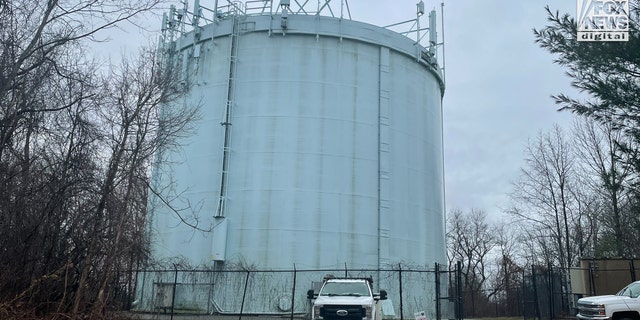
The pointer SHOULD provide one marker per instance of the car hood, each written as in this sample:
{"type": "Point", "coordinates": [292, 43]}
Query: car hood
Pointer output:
{"type": "Point", "coordinates": [344, 300]}
{"type": "Point", "coordinates": [603, 299]}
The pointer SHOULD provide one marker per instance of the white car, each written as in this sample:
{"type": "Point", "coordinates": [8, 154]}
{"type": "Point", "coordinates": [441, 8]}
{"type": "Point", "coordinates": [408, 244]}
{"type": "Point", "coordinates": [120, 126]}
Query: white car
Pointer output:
{"type": "Point", "coordinates": [624, 305]}
{"type": "Point", "coordinates": [346, 299]}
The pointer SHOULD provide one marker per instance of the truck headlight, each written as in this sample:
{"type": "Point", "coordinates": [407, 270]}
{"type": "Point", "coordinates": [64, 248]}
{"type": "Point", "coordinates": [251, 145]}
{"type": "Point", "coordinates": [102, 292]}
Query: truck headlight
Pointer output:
{"type": "Point", "coordinates": [316, 312]}
{"type": "Point", "coordinates": [367, 312]}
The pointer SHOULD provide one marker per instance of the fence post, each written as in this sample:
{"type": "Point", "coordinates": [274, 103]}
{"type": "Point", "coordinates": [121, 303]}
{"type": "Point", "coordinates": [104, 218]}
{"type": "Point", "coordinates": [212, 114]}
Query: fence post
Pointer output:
{"type": "Point", "coordinates": [210, 306]}
{"type": "Point", "coordinates": [519, 297]}
{"type": "Point", "coordinates": [524, 294]}
{"type": "Point", "coordinates": [293, 292]}
{"type": "Point", "coordinates": [437, 278]}
{"type": "Point", "coordinates": [173, 294]}
{"type": "Point", "coordinates": [244, 294]}
{"type": "Point", "coordinates": [535, 292]}
{"type": "Point", "coordinates": [632, 268]}
{"type": "Point", "coordinates": [400, 289]}
{"type": "Point", "coordinates": [592, 282]}
{"type": "Point", "coordinates": [459, 307]}
{"type": "Point", "coordinates": [550, 290]}
{"type": "Point", "coordinates": [144, 283]}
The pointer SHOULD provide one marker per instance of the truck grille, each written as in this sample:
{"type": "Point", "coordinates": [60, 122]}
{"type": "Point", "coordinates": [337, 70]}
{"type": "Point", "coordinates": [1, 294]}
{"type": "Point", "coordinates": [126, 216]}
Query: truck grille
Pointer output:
{"type": "Point", "coordinates": [590, 310]}
{"type": "Point", "coordinates": [330, 312]}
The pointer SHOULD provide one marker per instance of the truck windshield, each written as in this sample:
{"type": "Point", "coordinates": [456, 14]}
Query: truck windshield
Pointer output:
{"type": "Point", "coordinates": [632, 290]}
{"type": "Point", "coordinates": [345, 289]}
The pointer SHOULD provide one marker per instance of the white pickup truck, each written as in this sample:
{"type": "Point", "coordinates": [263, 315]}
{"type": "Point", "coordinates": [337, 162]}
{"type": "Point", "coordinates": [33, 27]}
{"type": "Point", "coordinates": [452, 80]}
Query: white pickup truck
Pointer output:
{"type": "Point", "coordinates": [624, 305]}
{"type": "Point", "coordinates": [346, 299]}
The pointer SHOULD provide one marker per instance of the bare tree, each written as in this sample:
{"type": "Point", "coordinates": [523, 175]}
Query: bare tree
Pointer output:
{"type": "Point", "coordinates": [551, 201]}
{"type": "Point", "coordinates": [130, 111]}
{"type": "Point", "coordinates": [470, 240]}
{"type": "Point", "coordinates": [543, 195]}
{"type": "Point", "coordinates": [76, 143]}
{"type": "Point", "coordinates": [507, 279]}
{"type": "Point", "coordinates": [605, 163]}
{"type": "Point", "coordinates": [45, 169]}
{"type": "Point", "coordinates": [34, 36]}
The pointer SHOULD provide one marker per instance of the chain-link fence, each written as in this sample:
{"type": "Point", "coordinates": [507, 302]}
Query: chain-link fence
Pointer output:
{"type": "Point", "coordinates": [432, 291]}
{"type": "Point", "coordinates": [551, 293]}
{"type": "Point", "coordinates": [543, 292]}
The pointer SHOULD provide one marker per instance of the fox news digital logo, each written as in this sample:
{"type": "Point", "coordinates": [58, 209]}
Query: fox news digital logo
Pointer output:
{"type": "Point", "coordinates": [603, 20]}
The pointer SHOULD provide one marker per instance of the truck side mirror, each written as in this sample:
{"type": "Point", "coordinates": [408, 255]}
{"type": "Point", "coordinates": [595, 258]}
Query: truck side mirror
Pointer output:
{"type": "Point", "coordinates": [311, 294]}
{"type": "Point", "coordinates": [383, 295]}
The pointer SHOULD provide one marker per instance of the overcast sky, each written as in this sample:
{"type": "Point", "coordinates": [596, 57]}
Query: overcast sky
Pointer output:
{"type": "Point", "coordinates": [498, 91]}
{"type": "Point", "coordinates": [498, 87]}
{"type": "Point", "coordinates": [499, 84]}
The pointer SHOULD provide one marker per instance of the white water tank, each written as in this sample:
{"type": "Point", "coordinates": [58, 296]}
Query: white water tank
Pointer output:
{"type": "Point", "coordinates": [320, 145]}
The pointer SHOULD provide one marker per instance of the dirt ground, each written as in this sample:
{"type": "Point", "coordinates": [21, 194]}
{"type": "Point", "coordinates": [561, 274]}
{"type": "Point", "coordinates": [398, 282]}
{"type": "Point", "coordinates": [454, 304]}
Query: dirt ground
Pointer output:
{"type": "Point", "coordinates": [163, 316]}
{"type": "Point", "coordinates": [160, 316]}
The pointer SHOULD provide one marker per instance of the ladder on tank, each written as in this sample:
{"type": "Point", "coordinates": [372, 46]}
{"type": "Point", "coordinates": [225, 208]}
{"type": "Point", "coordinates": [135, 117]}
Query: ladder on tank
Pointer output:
{"type": "Point", "coordinates": [226, 123]}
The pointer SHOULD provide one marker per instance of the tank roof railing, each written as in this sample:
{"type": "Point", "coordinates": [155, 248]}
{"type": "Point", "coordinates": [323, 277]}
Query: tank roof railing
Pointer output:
{"type": "Point", "coordinates": [177, 22]}
{"type": "Point", "coordinates": [180, 21]}
{"type": "Point", "coordinates": [261, 7]}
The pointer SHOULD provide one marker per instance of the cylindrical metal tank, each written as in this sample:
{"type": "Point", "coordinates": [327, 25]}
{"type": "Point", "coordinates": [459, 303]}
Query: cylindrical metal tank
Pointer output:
{"type": "Point", "coordinates": [320, 146]}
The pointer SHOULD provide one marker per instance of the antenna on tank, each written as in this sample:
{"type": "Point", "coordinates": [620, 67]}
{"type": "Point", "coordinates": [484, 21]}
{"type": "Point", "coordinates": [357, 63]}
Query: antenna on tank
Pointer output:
{"type": "Point", "coordinates": [172, 16]}
{"type": "Point", "coordinates": [444, 79]}
{"type": "Point", "coordinates": [284, 5]}
{"type": "Point", "coordinates": [433, 34]}
{"type": "Point", "coordinates": [420, 8]}
{"type": "Point", "coordinates": [180, 15]}
{"type": "Point", "coordinates": [164, 21]}
{"type": "Point", "coordinates": [169, 26]}
{"type": "Point", "coordinates": [419, 13]}
{"type": "Point", "coordinates": [197, 13]}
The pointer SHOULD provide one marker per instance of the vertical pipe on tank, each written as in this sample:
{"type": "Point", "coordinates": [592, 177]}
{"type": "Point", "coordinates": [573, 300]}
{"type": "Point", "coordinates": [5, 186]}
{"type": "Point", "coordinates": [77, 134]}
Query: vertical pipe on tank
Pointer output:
{"type": "Point", "coordinates": [233, 51]}
{"type": "Point", "coordinates": [384, 188]}
{"type": "Point", "coordinates": [437, 289]}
